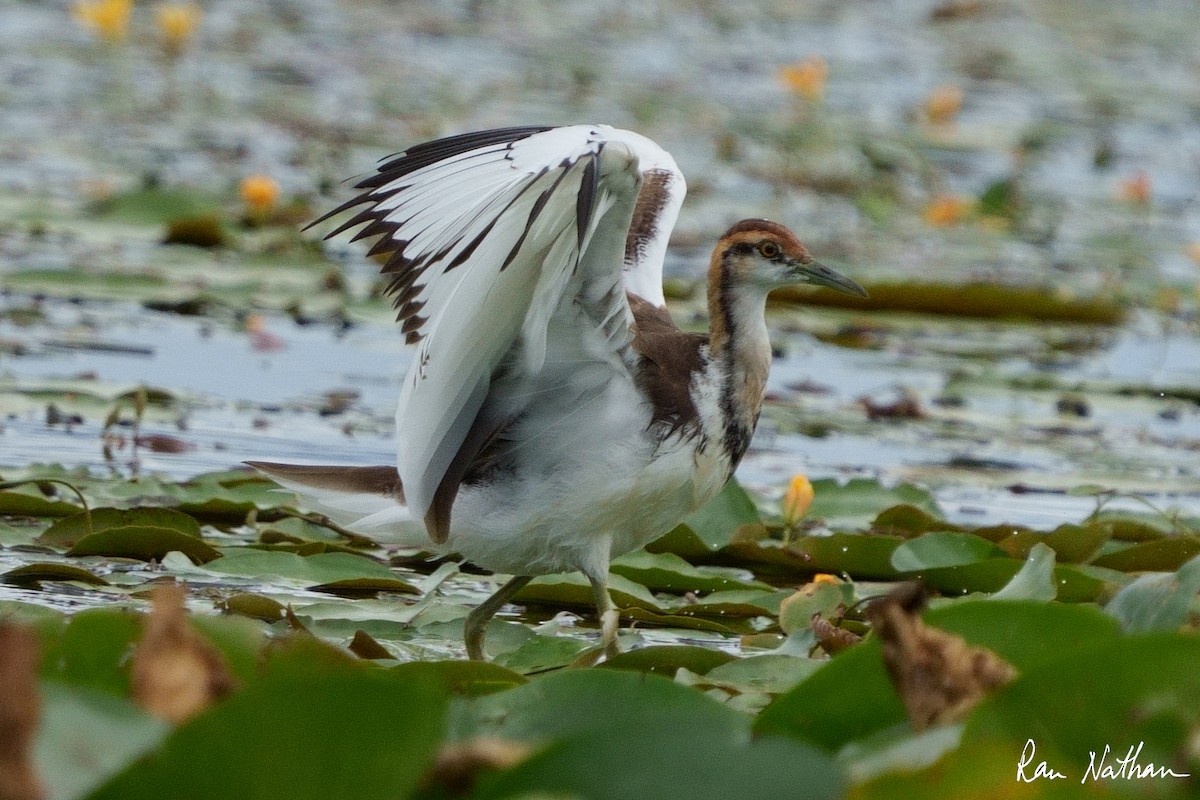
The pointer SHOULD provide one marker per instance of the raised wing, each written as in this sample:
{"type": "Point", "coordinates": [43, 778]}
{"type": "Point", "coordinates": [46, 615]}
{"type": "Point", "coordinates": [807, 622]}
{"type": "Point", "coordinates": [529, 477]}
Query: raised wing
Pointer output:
{"type": "Point", "coordinates": [488, 233]}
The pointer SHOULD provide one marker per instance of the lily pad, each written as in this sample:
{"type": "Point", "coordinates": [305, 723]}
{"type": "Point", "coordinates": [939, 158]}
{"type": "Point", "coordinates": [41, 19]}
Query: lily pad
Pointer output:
{"type": "Point", "coordinates": [856, 502]}
{"type": "Point", "coordinates": [572, 589]}
{"type": "Point", "coordinates": [942, 549]}
{"type": "Point", "coordinates": [1158, 601]}
{"type": "Point", "coordinates": [327, 724]}
{"type": "Point", "coordinates": [329, 571]}
{"type": "Point", "coordinates": [19, 503]}
{"type": "Point", "coordinates": [30, 575]}
{"type": "Point", "coordinates": [86, 736]}
{"type": "Point", "coordinates": [1035, 579]}
{"type": "Point", "coordinates": [143, 542]}
{"type": "Point", "coordinates": [667, 572]}
{"type": "Point", "coordinates": [69, 531]}
{"type": "Point", "coordinates": [1160, 555]}
{"type": "Point", "coordinates": [712, 527]}
{"type": "Point", "coordinates": [666, 660]}
{"type": "Point", "coordinates": [852, 697]}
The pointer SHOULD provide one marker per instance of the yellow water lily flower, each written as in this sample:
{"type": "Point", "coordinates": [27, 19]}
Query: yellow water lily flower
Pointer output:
{"type": "Point", "coordinates": [176, 22]}
{"type": "Point", "coordinates": [806, 77]}
{"type": "Point", "coordinates": [259, 192]}
{"type": "Point", "coordinates": [109, 19]}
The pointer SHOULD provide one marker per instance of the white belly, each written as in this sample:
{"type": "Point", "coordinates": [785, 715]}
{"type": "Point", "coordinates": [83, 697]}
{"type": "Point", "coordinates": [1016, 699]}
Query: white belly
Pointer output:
{"type": "Point", "coordinates": [583, 498]}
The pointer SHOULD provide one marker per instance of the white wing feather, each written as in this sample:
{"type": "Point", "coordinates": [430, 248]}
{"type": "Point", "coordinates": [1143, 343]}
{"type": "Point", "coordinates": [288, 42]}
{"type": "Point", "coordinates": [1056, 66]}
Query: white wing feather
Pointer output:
{"type": "Point", "coordinates": [494, 242]}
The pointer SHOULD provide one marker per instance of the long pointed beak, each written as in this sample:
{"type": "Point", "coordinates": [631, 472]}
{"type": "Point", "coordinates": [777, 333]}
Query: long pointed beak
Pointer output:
{"type": "Point", "coordinates": [821, 275]}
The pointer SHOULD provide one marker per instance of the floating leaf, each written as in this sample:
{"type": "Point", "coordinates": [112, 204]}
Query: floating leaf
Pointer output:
{"type": "Point", "coordinates": [1074, 584]}
{"type": "Point", "coordinates": [687, 745]}
{"type": "Point", "coordinates": [851, 697]}
{"type": "Point", "coordinates": [143, 542]}
{"type": "Point", "coordinates": [30, 575]}
{"type": "Point", "coordinates": [666, 660]}
{"type": "Point", "coordinates": [712, 527]}
{"type": "Point", "coordinates": [1132, 692]}
{"type": "Point", "coordinates": [667, 572]}
{"type": "Point", "coordinates": [471, 678]}
{"type": "Point", "coordinates": [326, 570]}
{"type": "Point", "coordinates": [942, 549]}
{"type": "Point", "coordinates": [857, 501]}
{"type": "Point", "coordinates": [255, 606]}
{"type": "Point", "coordinates": [1160, 555]}
{"type": "Point", "coordinates": [19, 503]}
{"type": "Point", "coordinates": [92, 650]}
{"type": "Point", "coordinates": [909, 520]}
{"type": "Point", "coordinates": [1159, 601]}
{"type": "Point", "coordinates": [865, 556]}
{"type": "Point", "coordinates": [87, 736]}
{"type": "Point", "coordinates": [771, 673]}
{"type": "Point", "coordinates": [327, 725]}
{"type": "Point", "coordinates": [572, 589]}
{"type": "Point", "coordinates": [797, 610]}
{"type": "Point", "coordinates": [69, 531]}
{"type": "Point", "coordinates": [541, 653]}
{"type": "Point", "coordinates": [1035, 579]}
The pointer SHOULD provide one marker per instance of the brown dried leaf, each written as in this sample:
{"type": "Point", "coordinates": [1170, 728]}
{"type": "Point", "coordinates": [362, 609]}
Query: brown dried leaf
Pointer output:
{"type": "Point", "coordinates": [938, 676]}
{"type": "Point", "coordinates": [20, 709]}
{"type": "Point", "coordinates": [176, 672]}
{"type": "Point", "coordinates": [458, 764]}
{"type": "Point", "coordinates": [831, 638]}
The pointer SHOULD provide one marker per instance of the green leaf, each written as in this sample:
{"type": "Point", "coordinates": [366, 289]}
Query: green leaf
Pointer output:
{"type": "Point", "coordinates": [865, 556]}
{"type": "Point", "coordinates": [86, 736]}
{"type": "Point", "coordinates": [29, 503]}
{"type": "Point", "coordinates": [1160, 555]}
{"type": "Point", "coordinates": [30, 575]}
{"type": "Point", "coordinates": [857, 502]}
{"type": "Point", "coordinates": [1159, 601]}
{"type": "Point", "coordinates": [93, 649]}
{"type": "Point", "coordinates": [540, 653]}
{"type": "Point", "coordinates": [69, 531]}
{"type": "Point", "coordinates": [143, 542]}
{"type": "Point", "coordinates": [329, 728]}
{"type": "Point", "coordinates": [1035, 580]}
{"type": "Point", "coordinates": [471, 678]}
{"type": "Point", "coordinates": [942, 549]}
{"type": "Point", "coordinates": [669, 740]}
{"type": "Point", "coordinates": [712, 527]}
{"type": "Point", "coordinates": [325, 570]}
{"type": "Point", "coordinates": [772, 673]}
{"type": "Point", "coordinates": [797, 610]}
{"type": "Point", "coordinates": [1074, 584]}
{"type": "Point", "coordinates": [908, 520]}
{"type": "Point", "coordinates": [852, 697]}
{"type": "Point", "coordinates": [666, 660]}
{"type": "Point", "coordinates": [667, 572]}
{"type": "Point", "coordinates": [1129, 692]}
{"type": "Point", "coordinates": [673, 762]}
{"type": "Point", "coordinates": [572, 589]}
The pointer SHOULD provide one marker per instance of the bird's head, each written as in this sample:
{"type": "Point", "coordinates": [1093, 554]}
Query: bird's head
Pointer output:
{"type": "Point", "coordinates": [758, 253]}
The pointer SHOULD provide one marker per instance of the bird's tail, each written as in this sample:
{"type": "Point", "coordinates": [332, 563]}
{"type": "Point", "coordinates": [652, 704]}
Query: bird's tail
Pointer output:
{"type": "Point", "coordinates": [367, 500]}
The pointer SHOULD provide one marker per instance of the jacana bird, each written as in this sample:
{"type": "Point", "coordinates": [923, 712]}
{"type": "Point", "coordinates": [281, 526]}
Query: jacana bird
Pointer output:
{"type": "Point", "coordinates": [553, 416]}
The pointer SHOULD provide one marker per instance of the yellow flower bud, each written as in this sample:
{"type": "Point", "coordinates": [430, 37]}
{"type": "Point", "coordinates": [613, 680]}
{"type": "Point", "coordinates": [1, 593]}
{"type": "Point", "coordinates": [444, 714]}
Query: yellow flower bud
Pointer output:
{"type": "Point", "coordinates": [796, 500]}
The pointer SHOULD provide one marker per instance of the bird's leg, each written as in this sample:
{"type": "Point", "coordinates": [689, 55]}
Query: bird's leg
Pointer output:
{"type": "Point", "coordinates": [606, 612]}
{"type": "Point", "coordinates": [477, 621]}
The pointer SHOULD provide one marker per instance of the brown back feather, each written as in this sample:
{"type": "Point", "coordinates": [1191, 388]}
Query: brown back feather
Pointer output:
{"type": "Point", "coordinates": [669, 360]}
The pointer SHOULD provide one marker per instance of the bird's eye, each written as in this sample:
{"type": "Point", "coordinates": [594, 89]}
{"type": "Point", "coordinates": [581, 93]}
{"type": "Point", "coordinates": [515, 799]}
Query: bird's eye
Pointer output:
{"type": "Point", "coordinates": [768, 249]}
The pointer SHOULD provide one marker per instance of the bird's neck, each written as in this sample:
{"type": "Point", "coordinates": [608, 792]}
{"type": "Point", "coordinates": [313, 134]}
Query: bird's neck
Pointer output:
{"type": "Point", "coordinates": [739, 353]}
